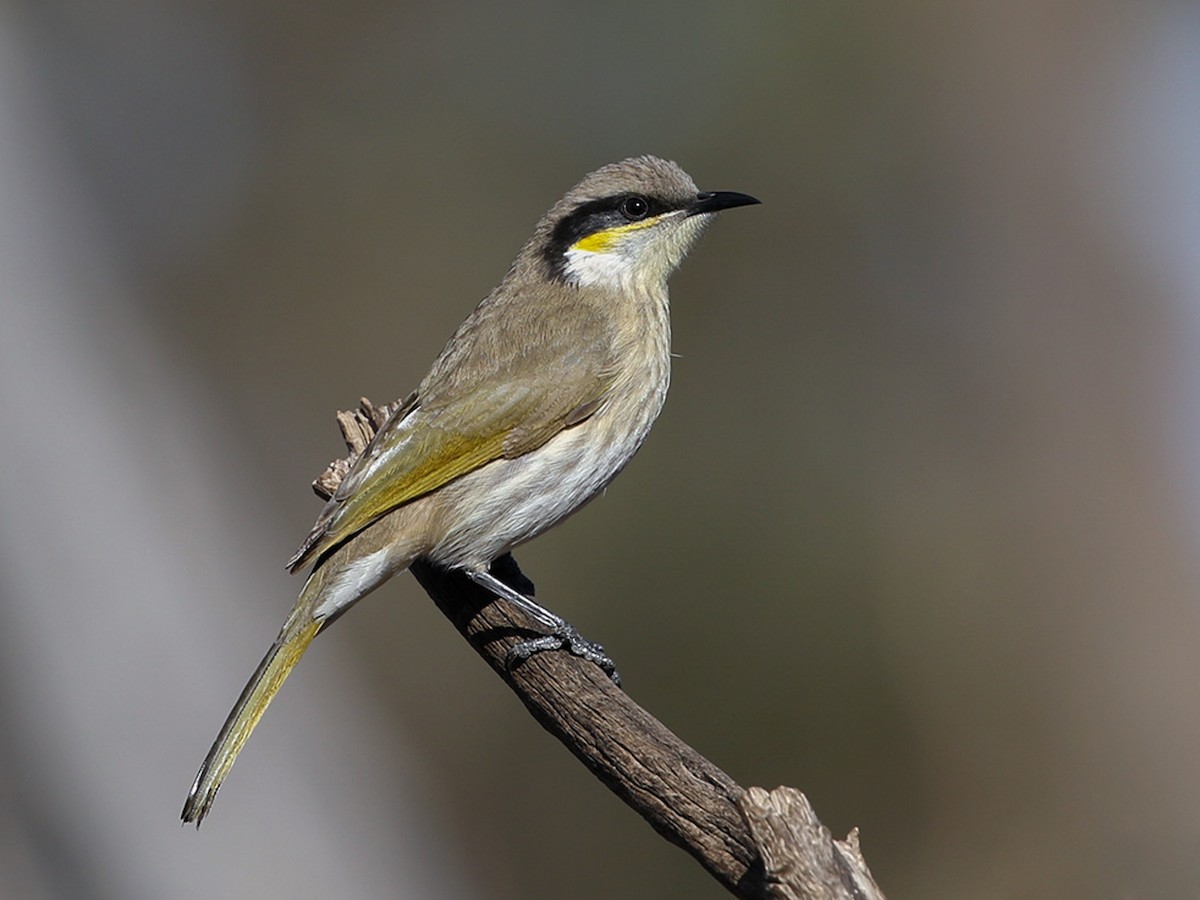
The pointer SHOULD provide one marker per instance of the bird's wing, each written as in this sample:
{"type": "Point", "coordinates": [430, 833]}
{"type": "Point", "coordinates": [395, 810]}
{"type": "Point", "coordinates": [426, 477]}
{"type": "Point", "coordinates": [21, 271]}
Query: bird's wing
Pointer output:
{"type": "Point", "coordinates": [521, 396]}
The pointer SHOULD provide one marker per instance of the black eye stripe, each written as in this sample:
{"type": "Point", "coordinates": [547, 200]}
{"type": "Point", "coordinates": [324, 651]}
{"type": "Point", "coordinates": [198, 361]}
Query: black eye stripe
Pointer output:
{"type": "Point", "coordinates": [597, 215]}
{"type": "Point", "coordinates": [594, 215]}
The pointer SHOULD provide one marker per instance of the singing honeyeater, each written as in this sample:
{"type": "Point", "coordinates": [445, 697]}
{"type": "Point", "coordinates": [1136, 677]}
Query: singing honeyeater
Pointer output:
{"type": "Point", "coordinates": [534, 405]}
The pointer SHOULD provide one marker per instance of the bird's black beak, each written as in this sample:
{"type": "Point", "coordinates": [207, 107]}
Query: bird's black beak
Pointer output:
{"type": "Point", "coordinates": [715, 201]}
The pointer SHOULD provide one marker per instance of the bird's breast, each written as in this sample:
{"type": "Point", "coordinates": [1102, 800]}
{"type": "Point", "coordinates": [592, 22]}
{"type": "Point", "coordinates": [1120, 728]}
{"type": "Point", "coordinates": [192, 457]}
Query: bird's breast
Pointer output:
{"type": "Point", "coordinates": [489, 511]}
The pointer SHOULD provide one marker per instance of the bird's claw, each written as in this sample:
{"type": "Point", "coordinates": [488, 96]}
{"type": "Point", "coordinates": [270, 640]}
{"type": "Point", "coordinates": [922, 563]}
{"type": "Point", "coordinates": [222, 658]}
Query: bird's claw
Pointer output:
{"type": "Point", "coordinates": [564, 637]}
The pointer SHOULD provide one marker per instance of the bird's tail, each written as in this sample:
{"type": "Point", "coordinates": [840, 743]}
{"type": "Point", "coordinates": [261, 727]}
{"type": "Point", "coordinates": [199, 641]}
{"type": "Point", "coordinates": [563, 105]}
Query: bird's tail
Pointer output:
{"type": "Point", "coordinates": [298, 632]}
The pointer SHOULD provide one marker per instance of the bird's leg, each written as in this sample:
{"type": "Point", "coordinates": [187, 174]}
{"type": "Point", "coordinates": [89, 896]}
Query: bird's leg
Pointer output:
{"type": "Point", "coordinates": [563, 635]}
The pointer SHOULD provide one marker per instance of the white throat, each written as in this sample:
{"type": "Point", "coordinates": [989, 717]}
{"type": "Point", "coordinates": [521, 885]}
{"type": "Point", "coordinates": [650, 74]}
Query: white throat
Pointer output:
{"type": "Point", "coordinates": [610, 269]}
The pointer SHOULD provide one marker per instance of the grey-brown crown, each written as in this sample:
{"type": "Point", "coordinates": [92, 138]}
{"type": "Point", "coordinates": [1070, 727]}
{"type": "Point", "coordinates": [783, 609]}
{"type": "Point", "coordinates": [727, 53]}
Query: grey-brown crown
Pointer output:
{"type": "Point", "coordinates": [659, 179]}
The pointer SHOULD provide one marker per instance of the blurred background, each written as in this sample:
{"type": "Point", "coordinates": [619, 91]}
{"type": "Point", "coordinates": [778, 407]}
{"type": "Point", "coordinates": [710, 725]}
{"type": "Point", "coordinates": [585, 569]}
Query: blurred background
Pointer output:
{"type": "Point", "coordinates": [917, 532]}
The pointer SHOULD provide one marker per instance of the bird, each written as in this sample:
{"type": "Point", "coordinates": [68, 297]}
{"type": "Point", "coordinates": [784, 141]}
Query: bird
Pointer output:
{"type": "Point", "coordinates": [534, 405]}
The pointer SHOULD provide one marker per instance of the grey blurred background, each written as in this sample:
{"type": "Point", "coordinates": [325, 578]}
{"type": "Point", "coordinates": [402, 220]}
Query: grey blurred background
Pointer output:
{"type": "Point", "coordinates": [916, 533]}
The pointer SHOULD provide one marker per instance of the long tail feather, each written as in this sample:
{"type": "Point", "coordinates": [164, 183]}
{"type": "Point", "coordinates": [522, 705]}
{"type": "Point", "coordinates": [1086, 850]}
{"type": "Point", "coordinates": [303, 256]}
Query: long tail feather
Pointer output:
{"type": "Point", "coordinates": [275, 667]}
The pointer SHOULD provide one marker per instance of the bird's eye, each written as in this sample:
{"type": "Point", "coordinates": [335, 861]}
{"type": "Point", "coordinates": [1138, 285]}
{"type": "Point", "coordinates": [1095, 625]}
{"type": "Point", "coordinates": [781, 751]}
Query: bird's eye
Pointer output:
{"type": "Point", "coordinates": [634, 208]}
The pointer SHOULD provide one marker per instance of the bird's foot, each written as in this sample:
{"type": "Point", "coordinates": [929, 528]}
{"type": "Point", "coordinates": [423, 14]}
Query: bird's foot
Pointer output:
{"type": "Point", "coordinates": [564, 637]}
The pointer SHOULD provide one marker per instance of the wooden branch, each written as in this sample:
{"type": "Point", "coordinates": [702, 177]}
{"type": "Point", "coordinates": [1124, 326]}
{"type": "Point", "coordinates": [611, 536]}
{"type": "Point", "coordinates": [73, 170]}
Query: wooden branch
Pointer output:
{"type": "Point", "coordinates": [758, 844]}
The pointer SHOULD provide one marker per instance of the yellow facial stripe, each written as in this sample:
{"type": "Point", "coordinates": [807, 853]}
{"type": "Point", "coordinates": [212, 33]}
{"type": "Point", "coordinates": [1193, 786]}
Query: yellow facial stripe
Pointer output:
{"type": "Point", "coordinates": [604, 241]}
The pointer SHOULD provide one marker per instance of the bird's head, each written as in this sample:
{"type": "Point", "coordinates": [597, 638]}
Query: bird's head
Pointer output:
{"type": "Point", "coordinates": [628, 225]}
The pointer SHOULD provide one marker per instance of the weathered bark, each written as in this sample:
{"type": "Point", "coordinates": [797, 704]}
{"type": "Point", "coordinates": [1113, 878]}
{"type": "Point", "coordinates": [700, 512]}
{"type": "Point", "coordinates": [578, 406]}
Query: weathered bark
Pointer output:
{"type": "Point", "coordinates": [758, 844]}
